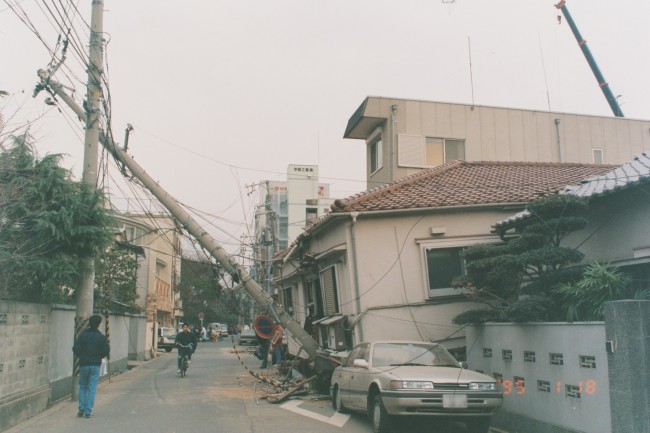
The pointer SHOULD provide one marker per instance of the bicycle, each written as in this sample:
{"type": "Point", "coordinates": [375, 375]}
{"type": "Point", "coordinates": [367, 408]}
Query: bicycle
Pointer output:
{"type": "Point", "coordinates": [186, 360]}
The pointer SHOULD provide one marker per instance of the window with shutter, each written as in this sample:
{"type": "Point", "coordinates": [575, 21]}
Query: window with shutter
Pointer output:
{"type": "Point", "coordinates": [410, 152]}
{"type": "Point", "coordinates": [329, 289]}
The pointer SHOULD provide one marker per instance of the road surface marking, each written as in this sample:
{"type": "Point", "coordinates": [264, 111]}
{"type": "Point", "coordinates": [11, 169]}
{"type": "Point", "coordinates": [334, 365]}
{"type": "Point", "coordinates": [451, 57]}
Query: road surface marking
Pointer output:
{"type": "Point", "coordinates": [338, 419]}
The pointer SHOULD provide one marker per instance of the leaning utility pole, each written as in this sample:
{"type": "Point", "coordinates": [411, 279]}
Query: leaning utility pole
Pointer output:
{"type": "Point", "coordinates": [90, 115]}
{"type": "Point", "coordinates": [269, 237]}
{"type": "Point", "coordinates": [239, 275]}
{"type": "Point", "coordinates": [89, 175]}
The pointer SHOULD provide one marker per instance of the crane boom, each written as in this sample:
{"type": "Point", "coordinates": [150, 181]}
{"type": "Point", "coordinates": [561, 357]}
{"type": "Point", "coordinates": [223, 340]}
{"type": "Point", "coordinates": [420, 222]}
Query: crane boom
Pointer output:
{"type": "Point", "coordinates": [611, 100]}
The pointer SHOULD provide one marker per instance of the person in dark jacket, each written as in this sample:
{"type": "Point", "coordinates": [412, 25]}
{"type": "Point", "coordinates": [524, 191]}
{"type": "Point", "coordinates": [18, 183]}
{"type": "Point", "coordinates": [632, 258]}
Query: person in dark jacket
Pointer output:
{"type": "Point", "coordinates": [90, 347]}
{"type": "Point", "coordinates": [187, 339]}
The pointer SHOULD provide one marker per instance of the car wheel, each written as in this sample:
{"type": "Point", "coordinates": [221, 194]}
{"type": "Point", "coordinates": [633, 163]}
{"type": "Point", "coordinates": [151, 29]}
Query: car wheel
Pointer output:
{"type": "Point", "coordinates": [168, 349]}
{"type": "Point", "coordinates": [381, 421]}
{"type": "Point", "coordinates": [337, 403]}
{"type": "Point", "coordinates": [478, 425]}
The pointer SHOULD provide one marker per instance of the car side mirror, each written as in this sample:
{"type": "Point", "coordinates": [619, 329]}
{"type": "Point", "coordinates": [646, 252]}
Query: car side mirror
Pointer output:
{"type": "Point", "coordinates": [360, 363]}
{"type": "Point", "coordinates": [463, 365]}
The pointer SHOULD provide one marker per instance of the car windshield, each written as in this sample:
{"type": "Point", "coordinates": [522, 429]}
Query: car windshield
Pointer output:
{"type": "Point", "coordinates": [248, 332]}
{"type": "Point", "coordinates": [411, 354]}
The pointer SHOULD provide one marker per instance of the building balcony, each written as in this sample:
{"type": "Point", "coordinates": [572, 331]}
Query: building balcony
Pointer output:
{"type": "Point", "coordinates": [164, 296]}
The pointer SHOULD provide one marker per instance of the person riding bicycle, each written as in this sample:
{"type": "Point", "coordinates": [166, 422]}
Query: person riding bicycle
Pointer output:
{"type": "Point", "coordinates": [186, 342]}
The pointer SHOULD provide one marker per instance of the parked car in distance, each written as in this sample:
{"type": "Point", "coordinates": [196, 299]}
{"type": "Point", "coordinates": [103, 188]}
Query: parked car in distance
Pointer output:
{"type": "Point", "coordinates": [166, 338]}
{"type": "Point", "coordinates": [248, 338]}
{"type": "Point", "coordinates": [389, 379]}
{"type": "Point", "coordinates": [214, 329]}
{"type": "Point", "coordinates": [223, 330]}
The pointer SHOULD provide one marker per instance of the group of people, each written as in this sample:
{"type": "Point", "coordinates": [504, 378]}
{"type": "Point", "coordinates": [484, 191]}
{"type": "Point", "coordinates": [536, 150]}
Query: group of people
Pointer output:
{"type": "Point", "coordinates": [92, 346]}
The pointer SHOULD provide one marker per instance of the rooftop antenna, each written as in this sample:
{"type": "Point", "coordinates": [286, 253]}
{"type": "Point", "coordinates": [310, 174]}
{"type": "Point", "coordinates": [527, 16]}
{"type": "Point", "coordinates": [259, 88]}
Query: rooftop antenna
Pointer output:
{"type": "Point", "coordinates": [471, 75]}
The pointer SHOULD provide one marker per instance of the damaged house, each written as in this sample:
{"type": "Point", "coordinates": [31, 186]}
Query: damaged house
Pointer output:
{"type": "Point", "coordinates": [380, 264]}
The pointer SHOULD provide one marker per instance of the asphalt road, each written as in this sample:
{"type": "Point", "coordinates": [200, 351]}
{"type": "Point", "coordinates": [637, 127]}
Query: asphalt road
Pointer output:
{"type": "Point", "coordinates": [217, 395]}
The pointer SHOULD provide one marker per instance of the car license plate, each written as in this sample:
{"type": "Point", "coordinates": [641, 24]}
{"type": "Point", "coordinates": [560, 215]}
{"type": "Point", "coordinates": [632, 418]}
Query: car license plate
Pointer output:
{"type": "Point", "coordinates": [454, 401]}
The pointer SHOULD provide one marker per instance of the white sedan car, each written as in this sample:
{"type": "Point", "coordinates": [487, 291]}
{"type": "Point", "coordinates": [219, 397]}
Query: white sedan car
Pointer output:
{"type": "Point", "coordinates": [386, 379]}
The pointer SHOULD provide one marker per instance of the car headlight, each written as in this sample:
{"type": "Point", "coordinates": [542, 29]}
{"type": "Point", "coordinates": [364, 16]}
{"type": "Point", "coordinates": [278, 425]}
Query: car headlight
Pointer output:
{"type": "Point", "coordinates": [482, 386]}
{"type": "Point", "coordinates": [410, 384]}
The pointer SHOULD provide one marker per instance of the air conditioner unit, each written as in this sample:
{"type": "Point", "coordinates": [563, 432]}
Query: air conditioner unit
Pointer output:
{"type": "Point", "coordinates": [336, 337]}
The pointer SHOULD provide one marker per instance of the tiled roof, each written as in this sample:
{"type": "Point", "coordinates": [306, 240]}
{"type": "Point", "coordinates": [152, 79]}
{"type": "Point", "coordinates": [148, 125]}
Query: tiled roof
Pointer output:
{"type": "Point", "coordinates": [632, 173]}
{"type": "Point", "coordinates": [463, 183]}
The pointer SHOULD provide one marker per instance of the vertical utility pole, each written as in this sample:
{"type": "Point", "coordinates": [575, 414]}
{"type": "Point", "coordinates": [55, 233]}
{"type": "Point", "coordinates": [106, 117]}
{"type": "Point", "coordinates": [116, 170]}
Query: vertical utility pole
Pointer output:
{"type": "Point", "coordinates": [89, 175]}
{"type": "Point", "coordinates": [269, 237]}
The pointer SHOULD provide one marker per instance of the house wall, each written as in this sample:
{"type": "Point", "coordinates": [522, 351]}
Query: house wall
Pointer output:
{"type": "Point", "coordinates": [392, 273]}
{"type": "Point", "coordinates": [393, 284]}
{"type": "Point", "coordinates": [507, 134]}
{"type": "Point", "coordinates": [619, 222]}
{"type": "Point", "coordinates": [527, 407]}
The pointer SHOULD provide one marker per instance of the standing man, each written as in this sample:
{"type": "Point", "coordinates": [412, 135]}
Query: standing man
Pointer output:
{"type": "Point", "coordinates": [186, 343]}
{"type": "Point", "coordinates": [277, 344]}
{"type": "Point", "coordinates": [90, 347]}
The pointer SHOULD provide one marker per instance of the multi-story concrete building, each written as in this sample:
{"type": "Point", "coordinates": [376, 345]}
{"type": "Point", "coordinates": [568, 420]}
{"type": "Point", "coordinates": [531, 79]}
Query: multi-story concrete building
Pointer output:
{"type": "Point", "coordinates": [159, 271]}
{"type": "Point", "coordinates": [284, 210]}
{"type": "Point", "coordinates": [405, 136]}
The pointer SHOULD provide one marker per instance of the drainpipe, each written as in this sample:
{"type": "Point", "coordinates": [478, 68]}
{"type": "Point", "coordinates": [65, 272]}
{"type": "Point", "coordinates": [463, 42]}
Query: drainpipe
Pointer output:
{"type": "Point", "coordinates": [355, 264]}
{"type": "Point", "coordinates": [559, 147]}
{"type": "Point", "coordinates": [393, 111]}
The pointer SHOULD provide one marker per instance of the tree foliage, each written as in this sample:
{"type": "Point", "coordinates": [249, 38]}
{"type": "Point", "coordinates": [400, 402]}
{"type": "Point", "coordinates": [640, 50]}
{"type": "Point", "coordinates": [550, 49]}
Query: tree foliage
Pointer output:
{"type": "Point", "coordinates": [116, 279]}
{"type": "Point", "coordinates": [585, 299]}
{"type": "Point", "coordinates": [47, 223]}
{"type": "Point", "coordinates": [202, 292]}
{"type": "Point", "coordinates": [517, 277]}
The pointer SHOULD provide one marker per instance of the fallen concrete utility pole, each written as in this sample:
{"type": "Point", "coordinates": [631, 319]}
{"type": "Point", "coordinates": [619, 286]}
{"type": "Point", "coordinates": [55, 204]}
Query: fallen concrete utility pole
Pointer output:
{"type": "Point", "coordinates": [238, 274]}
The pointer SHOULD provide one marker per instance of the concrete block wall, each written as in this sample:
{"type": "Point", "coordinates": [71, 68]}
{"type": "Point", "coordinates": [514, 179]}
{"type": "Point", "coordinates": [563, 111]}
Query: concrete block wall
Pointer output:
{"type": "Point", "coordinates": [36, 355]}
{"type": "Point", "coordinates": [24, 358]}
{"type": "Point", "coordinates": [554, 375]}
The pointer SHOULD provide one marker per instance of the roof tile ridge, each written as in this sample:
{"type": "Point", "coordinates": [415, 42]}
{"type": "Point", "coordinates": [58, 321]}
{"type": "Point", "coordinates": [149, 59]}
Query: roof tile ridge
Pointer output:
{"type": "Point", "coordinates": [546, 164]}
{"type": "Point", "coordinates": [391, 186]}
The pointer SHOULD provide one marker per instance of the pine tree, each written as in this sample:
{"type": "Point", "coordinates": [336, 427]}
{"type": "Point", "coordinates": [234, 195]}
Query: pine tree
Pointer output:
{"type": "Point", "coordinates": [516, 278]}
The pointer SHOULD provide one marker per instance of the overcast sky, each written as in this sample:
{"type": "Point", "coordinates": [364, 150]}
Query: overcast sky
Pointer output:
{"type": "Point", "coordinates": [223, 94]}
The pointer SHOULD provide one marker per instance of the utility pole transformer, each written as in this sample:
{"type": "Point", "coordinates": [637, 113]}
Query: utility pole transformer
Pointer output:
{"type": "Point", "coordinates": [89, 175]}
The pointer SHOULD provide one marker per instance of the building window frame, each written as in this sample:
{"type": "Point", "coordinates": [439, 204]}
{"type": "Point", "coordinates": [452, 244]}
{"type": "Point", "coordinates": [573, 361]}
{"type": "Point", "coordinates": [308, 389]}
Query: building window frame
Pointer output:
{"type": "Point", "coordinates": [375, 151]}
{"type": "Point", "coordinates": [598, 155]}
{"type": "Point", "coordinates": [416, 150]}
{"type": "Point", "coordinates": [330, 290]}
{"type": "Point", "coordinates": [454, 254]}
{"type": "Point", "coordinates": [376, 155]}
{"type": "Point", "coordinates": [448, 244]}
{"type": "Point", "coordinates": [287, 300]}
